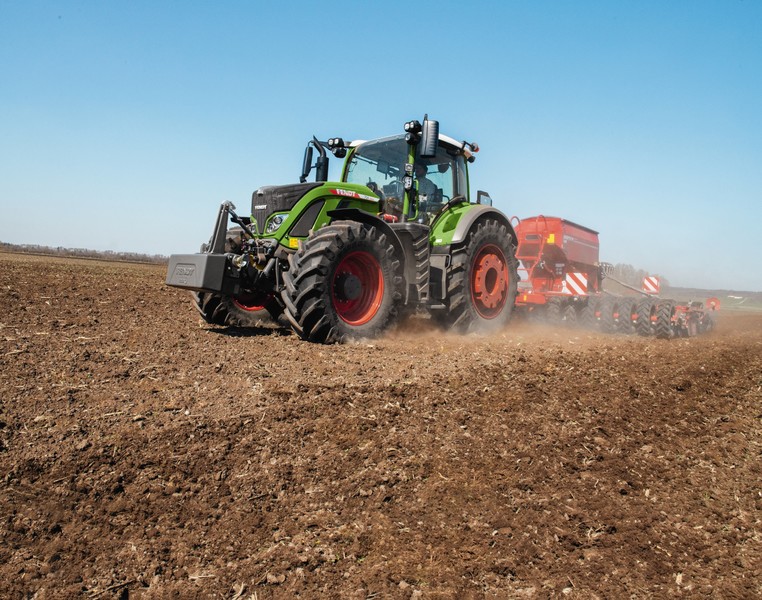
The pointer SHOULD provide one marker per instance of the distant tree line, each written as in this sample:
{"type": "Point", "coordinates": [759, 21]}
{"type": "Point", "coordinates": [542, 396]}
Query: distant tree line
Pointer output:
{"type": "Point", "coordinates": [82, 253]}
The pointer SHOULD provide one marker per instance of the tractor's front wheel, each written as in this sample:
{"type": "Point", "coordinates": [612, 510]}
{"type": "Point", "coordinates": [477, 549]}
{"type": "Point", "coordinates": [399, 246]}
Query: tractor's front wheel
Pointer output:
{"type": "Point", "coordinates": [244, 310]}
{"type": "Point", "coordinates": [482, 280]}
{"type": "Point", "coordinates": [247, 309]}
{"type": "Point", "coordinates": [345, 282]}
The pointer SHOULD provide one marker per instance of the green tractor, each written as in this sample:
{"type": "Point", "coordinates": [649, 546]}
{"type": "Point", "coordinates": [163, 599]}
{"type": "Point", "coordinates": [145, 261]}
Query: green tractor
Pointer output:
{"type": "Point", "coordinates": [345, 260]}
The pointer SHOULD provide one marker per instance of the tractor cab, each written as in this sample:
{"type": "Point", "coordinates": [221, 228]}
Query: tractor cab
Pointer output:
{"type": "Point", "coordinates": [391, 166]}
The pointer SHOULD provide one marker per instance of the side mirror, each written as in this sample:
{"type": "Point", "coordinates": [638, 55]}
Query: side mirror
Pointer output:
{"type": "Point", "coordinates": [482, 197]}
{"type": "Point", "coordinates": [307, 164]}
{"type": "Point", "coordinates": [321, 166]}
{"type": "Point", "coordinates": [429, 139]}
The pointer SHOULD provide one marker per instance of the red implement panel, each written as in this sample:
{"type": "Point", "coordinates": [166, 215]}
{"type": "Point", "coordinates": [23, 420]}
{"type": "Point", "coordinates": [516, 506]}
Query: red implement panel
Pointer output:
{"type": "Point", "coordinates": [578, 243]}
{"type": "Point", "coordinates": [558, 258]}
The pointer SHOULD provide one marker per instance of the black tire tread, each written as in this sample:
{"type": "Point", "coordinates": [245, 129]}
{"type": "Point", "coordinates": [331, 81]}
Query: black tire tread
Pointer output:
{"type": "Point", "coordinates": [586, 316]}
{"type": "Point", "coordinates": [663, 326]}
{"type": "Point", "coordinates": [607, 307]}
{"type": "Point", "coordinates": [460, 316]}
{"type": "Point", "coordinates": [626, 309]}
{"type": "Point", "coordinates": [643, 310]}
{"type": "Point", "coordinates": [306, 282]}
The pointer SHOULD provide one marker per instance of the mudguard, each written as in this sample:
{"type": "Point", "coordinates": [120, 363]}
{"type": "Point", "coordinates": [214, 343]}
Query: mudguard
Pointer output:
{"type": "Point", "coordinates": [475, 212]}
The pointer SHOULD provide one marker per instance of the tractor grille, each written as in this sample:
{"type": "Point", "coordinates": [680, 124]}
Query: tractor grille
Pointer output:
{"type": "Point", "coordinates": [277, 198]}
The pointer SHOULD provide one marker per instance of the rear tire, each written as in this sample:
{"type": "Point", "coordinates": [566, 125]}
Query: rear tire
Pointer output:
{"type": "Point", "coordinates": [345, 282]}
{"type": "Point", "coordinates": [482, 280]}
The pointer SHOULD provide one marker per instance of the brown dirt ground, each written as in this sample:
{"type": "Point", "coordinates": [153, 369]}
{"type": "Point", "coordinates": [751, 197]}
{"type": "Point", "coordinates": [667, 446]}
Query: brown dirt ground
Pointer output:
{"type": "Point", "coordinates": [144, 454]}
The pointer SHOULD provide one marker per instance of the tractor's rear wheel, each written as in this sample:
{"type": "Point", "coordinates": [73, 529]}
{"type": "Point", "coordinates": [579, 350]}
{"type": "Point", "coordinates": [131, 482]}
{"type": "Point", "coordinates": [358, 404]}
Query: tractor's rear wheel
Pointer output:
{"type": "Point", "coordinates": [664, 313]}
{"type": "Point", "coordinates": [482, 280]}
{"type": "Point", "coordinates": [645, 309]}
{"type": "Point", "coordinates": [344, 282]}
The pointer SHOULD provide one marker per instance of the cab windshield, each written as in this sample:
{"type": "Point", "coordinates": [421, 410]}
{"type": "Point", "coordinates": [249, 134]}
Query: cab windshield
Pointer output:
{"type": "Point", "coordinates": [380, 165]}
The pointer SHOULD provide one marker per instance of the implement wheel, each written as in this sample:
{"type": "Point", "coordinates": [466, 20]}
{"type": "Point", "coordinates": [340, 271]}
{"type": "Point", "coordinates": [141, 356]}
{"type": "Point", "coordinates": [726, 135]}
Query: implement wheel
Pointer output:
{"type": "Point", "coordinates": [664, 313]}
{"type": "Point", "coordinates": [586, 317]}
{"type": "Point", "coordinates": [553, 311]}
{"type": "Point", "coordinates": [607, 307]}
{"type": "Point", "coordinates": [706, 324]}
{"type": "Point", "coordinates": [645, 310]}
{"type": "Point", "coordinates": [482, 280]}
{"type": "Point", "coordinates": [569, 316]}
{"type": "Point", "coordinates": [344, 282]}
{"type": "Point", "coordinates": [626, 323]}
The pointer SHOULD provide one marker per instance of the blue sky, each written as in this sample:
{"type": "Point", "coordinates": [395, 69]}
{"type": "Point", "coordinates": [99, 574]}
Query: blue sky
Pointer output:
{"type": "Point", "coordinates": [125, 124]}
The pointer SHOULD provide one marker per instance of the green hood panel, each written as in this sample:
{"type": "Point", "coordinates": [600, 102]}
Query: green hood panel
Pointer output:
{"type": "Point", "coordinates": [310, 212]}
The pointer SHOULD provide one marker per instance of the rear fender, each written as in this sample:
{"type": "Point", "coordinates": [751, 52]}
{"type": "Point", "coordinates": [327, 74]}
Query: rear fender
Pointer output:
{"type": "Point", "coordinates": [454, 224]}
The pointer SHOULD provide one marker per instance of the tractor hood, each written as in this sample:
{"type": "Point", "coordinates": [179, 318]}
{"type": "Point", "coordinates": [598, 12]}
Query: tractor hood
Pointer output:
{"type": "Point", "coordinates": [277, 198]}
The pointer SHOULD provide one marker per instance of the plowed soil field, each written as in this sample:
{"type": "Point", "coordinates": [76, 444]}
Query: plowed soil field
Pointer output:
{"type": "Point", "coordinates": [145, 454]}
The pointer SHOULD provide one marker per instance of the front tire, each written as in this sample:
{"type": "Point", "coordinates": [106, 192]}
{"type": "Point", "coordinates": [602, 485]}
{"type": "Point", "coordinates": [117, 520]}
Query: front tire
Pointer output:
{"type": "Point", "coordinates": [482, 280]}
{"type": "Point", "coordinates": [247, 309]}
{"type": "Point", "coordinates": [345, 282]}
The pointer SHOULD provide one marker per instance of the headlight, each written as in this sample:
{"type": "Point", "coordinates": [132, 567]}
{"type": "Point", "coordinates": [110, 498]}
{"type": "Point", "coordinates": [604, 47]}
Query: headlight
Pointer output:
{"type": "Point", "coordinates": [274, 223]}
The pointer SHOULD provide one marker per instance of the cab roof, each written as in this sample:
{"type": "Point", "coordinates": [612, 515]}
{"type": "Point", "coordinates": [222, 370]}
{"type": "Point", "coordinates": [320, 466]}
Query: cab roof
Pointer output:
{"type": "Point", "coordinates": [447, 140]}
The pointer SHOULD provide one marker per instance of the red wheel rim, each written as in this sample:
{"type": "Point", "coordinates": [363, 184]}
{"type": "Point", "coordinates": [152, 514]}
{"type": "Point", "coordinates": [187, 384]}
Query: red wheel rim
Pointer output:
{"type": "Point", "coordinates": [489, 281]}
{"type": "Point", "coordinates": [251, 301]}
{"type": "Point", "coordinates": [357, 288]}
